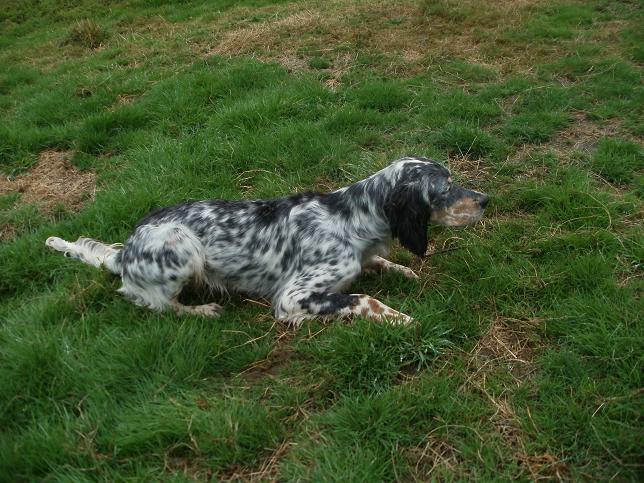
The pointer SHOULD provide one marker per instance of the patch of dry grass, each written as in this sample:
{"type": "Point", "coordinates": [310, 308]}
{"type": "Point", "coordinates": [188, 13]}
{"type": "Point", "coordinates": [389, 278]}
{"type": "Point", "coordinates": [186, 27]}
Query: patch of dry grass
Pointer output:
{"type": "Point", "coordinates": [52, 181]}
{"type": "Point", "coordinates": [435, 456]}
{"type": "Point", "coordinates": [400, 31]}
{"type": "Point", "coordinates": [266, 471]}
{"type": "Point", "coordinates": [508, 348]}
{"type": "Point", "coordinates": [87, 33]}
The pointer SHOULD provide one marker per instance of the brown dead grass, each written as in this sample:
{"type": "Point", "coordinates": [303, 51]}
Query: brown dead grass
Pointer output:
{"type": "Point", "coordinates": [467, 169]}
{"type": "Point", "coordinates": [191, 468]}
{"type": "Point", "coordinates": [7, 232]}
{"type": "Point", "coordinates": [53, 181]}
{"type": "Point", "coordinates": [434, 457]}
{"type": "Point", "coordinates": [266, 471]}
{"type": "Point", "coordinates": [584, 134]}
{"type": "Point", "coordinates": [581, 136]}
{"type": "Point", "coordinates": [268, 36]}
{"type": "Point", "coordinates": [408, 38]}
{"type": "Point", "coordinates": [341, 30]}
{"type": "Point", "coordinates": [506, 342]}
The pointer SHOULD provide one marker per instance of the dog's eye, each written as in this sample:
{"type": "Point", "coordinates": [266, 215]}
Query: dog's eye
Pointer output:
{"type": "Point", "coordinates": [446, 189]}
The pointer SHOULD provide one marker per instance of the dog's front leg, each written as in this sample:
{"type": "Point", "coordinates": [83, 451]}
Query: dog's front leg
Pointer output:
{"type": "Point", "coordinates": [302, 305]}
{"type": "Point", "coordinates": [378, 264]}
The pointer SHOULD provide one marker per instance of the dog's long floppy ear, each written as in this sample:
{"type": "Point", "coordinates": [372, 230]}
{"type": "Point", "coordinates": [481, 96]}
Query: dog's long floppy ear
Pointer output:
{"type": "Point", "coordinates": [408, 216]}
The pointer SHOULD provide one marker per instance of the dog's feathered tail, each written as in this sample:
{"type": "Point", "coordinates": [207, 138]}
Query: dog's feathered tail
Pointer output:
{"type": "Point", "coordinates": [90, 251]}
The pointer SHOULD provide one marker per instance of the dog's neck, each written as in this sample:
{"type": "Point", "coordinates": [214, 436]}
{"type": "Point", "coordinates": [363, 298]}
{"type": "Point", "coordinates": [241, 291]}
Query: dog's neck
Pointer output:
{"type": "Point", "coordinates": [366, 202]}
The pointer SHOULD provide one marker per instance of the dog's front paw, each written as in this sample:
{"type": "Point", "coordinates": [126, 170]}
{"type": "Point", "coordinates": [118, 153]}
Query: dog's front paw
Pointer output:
{"type": "Point", "coordinates": [409, 273]}
{"type": "Point", "coordinates": [56, 243]}
{"type": "Point", "coordinates": [397, 318]}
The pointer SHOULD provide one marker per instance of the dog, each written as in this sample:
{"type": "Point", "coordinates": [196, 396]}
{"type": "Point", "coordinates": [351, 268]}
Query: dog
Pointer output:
{"type": "Point", "coordinates": [301, 252]}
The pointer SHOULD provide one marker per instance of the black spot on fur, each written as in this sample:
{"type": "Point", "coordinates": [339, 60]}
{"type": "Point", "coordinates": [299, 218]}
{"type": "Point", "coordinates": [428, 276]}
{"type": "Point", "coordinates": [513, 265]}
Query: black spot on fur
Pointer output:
{"type": "Point", "coordinates": [268, 212]}
{"type": "Point", "coordinates": [337, 203]}
{"type": "Point", "coordinates": [327, 303]}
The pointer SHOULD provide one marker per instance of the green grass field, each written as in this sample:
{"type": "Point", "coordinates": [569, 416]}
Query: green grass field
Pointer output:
{"type": "Point", "coordinates": [526, 360]}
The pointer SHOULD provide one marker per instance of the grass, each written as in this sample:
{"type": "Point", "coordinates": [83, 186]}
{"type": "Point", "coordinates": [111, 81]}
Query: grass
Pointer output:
{"type": "Point", "coordinates": [526, 361]}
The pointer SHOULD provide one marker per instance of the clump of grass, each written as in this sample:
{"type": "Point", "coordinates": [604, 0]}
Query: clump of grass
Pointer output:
{"type": "Point", "coordinates": [236, 429]}
{"type": "Point", "coordinates": [86, 33]}
{"type": "Point", "coordinates": [381, 95]}
{"type": "Point", "coordinates": [535, 128]}
{"type": "Point", "coordinates": [368, 356]}
{"type": "Point", "coordinates": [99, 133]}
{"type": "Point", "coordinates": [466, 140]}
{"type": "Point", "coordinates": [453, 10]}
{"type": "Point", "coordinates": [538, 114]}
{"type": "Point", "coordinates": [554, 22]}
{"type": "Point", "coordinates": [618, 160]}
{"type": "Point", "coordinates": [319, 63]}
{"type": "Point", "coordinates": [12, 76]}
{"type": "Point", "coordinates": [633, 39]}
{"type": "Point", "coordinates": [570, 201]}
{"type": "Point", "coordinates": [469, 72]}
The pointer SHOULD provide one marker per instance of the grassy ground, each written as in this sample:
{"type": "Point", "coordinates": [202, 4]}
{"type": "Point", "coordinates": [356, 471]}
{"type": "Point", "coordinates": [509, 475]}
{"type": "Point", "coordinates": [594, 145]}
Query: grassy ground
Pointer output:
{"type": "Point", "coordinates": [527, 358]}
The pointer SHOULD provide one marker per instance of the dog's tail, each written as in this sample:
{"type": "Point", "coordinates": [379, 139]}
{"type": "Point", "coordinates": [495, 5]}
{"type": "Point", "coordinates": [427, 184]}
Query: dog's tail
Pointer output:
{"type": "Point", "coordinates": [90, 251]}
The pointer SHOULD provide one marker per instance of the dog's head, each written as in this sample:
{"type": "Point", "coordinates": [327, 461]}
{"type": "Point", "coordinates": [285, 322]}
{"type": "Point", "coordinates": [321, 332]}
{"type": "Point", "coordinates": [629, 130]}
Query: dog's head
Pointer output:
{"type": "Point", "coordinates": [423, 193]}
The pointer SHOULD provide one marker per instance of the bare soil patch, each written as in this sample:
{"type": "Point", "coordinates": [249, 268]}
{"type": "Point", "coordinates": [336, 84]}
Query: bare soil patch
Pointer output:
{"type": "Point", "coordinates": [507, 343]}
{"type": "Point", "coordinates": [276, 360]}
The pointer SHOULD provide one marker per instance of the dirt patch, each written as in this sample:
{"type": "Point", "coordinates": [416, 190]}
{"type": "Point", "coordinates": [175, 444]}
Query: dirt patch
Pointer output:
{"type": "Point", "coordinates": [267, 36]}
{"type": "Point", "coordinates": [581, 136]}
{"type": "Point", "coordinates": [51, 182]}
{"type": "Point", "coordinates": [269, 367]}
{"type": "Point", "coordinates": [281, 356]}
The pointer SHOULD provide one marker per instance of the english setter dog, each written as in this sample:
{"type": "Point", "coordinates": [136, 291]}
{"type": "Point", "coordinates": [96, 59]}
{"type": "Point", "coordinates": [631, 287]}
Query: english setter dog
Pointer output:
{"type": "Point", "coordinates": [301, 252]}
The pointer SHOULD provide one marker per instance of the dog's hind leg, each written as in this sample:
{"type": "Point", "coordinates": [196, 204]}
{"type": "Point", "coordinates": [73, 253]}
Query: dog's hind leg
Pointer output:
{"type": "Point", "coordinates": [89, 251]}
{"type": "Point", "coordinates": [158, 261]}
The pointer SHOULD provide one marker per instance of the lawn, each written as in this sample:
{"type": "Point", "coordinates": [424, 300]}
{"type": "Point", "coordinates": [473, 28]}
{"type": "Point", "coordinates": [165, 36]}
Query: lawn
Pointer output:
{"type": "Point", "coordinates": [526, 360]}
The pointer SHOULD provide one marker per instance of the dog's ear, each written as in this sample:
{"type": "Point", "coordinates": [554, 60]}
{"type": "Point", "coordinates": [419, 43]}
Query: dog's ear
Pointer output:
{"type": "Point", "coordinates": [408, 216]}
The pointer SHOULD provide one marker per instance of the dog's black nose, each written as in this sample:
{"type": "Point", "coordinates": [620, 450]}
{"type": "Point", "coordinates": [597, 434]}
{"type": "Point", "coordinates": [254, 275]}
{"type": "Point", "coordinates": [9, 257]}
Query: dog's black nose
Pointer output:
{"type": "Point", "coordinates": [484, 201]}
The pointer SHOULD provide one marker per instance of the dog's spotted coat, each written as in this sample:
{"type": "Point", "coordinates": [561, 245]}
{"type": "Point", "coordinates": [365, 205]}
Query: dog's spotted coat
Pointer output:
{"type": "Point", "coordinates": [301, 252]}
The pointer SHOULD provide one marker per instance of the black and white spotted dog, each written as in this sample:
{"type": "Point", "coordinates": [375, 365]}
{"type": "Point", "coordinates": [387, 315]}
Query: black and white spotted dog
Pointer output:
{"type": "Point", "coordinates": [302, 251]}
